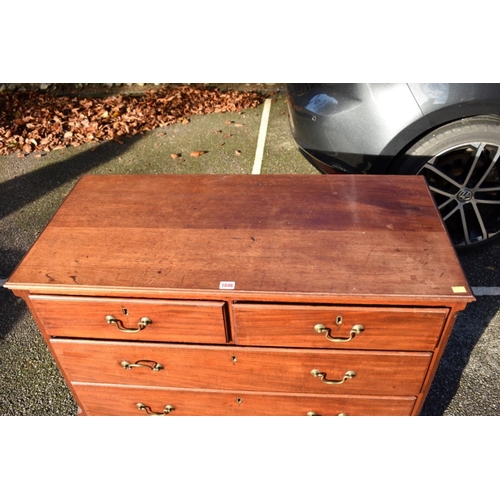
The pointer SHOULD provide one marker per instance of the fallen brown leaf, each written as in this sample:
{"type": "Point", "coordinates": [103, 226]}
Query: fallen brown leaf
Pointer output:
{"type": "Point", "coordinates": [196, 153]}
{"type": "Point", "coordinates": [47, 122]}
{"type": "Point", "coordinates": [175, 156]}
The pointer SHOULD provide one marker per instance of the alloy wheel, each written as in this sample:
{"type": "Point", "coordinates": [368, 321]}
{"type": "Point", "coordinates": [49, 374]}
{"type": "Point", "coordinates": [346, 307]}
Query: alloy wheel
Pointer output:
{"type": "Point", "coordinates": [465, 183]}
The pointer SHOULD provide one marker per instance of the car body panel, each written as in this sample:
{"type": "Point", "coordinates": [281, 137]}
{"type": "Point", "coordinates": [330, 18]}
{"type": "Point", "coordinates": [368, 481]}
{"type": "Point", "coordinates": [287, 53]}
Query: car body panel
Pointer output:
{"type": "Point", "coordinates": [446, 102]}
{"type": "Point", "coordinates": [363, 127]}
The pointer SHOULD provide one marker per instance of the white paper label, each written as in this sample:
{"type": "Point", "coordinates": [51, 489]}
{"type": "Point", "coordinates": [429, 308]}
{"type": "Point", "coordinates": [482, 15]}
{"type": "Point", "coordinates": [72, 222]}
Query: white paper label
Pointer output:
{"type": "Point", "coordinates": [227, 285]}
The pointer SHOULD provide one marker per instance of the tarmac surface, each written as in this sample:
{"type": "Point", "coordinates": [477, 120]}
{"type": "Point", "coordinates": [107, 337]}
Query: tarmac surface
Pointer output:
{"type": "Point", "coordinates": [32, 188]}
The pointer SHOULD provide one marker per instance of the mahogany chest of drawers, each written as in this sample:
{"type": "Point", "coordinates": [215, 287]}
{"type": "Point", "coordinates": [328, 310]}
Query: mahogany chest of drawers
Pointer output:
{"type": "Point", "coordinates": [245, 295]}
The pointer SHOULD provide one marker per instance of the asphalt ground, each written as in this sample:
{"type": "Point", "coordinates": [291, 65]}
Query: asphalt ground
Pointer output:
{"type": "Point", "coordinates": [32, 188]}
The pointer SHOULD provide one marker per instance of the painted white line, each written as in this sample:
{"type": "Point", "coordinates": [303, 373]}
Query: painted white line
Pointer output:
{"type": "Point", "coordinates": [486, 290]}
{"type": "Point", "coordinates": [259, 152]}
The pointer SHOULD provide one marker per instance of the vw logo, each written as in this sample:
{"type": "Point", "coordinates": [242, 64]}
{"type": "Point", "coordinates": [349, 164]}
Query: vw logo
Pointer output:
{"type": "Point", "coordinates": [464, 195]}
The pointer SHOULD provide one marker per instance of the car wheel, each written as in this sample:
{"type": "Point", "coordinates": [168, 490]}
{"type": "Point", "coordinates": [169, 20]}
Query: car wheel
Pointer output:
{"type": "Point", "coordinates": [461, 163]}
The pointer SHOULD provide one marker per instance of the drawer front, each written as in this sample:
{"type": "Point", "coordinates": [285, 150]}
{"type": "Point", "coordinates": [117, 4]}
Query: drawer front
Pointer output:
{"type": "Point", "coordinates": [244, 368]}
{"type": "Point", "coordinates": [338, 327]}
{"type": "Point", "coordinates": [119, 400]}
{"type": "Point", "coordinates": [172, 321]}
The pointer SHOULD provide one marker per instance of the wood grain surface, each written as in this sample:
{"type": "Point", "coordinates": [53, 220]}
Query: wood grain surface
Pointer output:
{"type": "Point", "coordinates": [172, 320]}
{"type": "Point", "coordinates": [313, 235]}
{"type": "Point", "coordinates": [252, 369]}
{"type": "Point", "coordinates": [234, 272]}
{"type": "Point", "coordinates": [102, 400]}
{"type": "Point", "coordinates": [396, 328]}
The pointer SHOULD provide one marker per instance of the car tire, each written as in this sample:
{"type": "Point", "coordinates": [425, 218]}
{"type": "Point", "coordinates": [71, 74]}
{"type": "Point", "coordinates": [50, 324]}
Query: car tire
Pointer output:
{"type": "Point", "coordinates": [461, 162]}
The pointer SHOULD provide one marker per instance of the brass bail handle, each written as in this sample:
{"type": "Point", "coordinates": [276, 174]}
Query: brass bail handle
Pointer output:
{"type": "Point", "coordinates": [167, 410]}
{"type": "Point", "coordinates": [322, 375]}
{"type": "Point", "coordinates": [355, 330]}
{"type": "Point", "coordinates": [314, 414]}
{"type": "Point", "coordinates": [142, 364]}
{"type": "Point", "coordinates": [143, 323]}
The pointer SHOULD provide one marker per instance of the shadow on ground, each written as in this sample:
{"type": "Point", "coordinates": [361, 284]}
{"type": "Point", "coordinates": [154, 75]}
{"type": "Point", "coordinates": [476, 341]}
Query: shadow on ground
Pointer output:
{"type": "Point", "coordinates": [30, 382]}
{"type": "Point", "coordinates": [20, 191]}
{"type": "Point", "coordinates": [456, 362]}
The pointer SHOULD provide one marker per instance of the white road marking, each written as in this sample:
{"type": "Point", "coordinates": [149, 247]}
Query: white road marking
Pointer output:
{"type": "Point", "coordinates": [259, 152]}
{"type": "Point", "coordinates": [486, 290]}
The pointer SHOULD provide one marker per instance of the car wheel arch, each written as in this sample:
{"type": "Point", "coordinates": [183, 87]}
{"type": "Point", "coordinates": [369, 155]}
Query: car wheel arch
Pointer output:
{"type": "Point", "coordinates": [461, 162]}
{"type": "Point", "coordinates": [416, 134]}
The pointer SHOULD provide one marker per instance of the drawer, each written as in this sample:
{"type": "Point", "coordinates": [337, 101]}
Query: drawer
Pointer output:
{"type": "Point", "coordinates": [384, 328]}
{"type": "Point", "coordinates": [120, 400]}
{"type": "Point", "coordinates": [171, 320]}
{"type": "Point", "coordinates": [243, 368]}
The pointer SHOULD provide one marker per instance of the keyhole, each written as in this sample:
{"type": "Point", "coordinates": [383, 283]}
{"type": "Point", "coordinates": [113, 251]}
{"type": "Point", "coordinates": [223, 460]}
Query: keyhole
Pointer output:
{"type": "Point", "coordinates": [338, 320]}
{"type": "Point", "coordinates": [239, 400]}
{"type": "Point", "coordinates": [125, 311]}
{"type": "Point", "coordinates": [234, 359]}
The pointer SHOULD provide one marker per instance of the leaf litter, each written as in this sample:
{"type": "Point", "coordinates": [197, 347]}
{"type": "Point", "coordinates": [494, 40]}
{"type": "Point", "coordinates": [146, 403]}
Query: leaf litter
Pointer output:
{"type": "Point", "coordinates": [40, 122]}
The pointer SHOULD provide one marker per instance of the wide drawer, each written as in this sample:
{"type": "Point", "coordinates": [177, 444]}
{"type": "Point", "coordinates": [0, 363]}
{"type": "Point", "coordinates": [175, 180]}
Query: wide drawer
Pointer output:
{"type": "Point", "coordinates": [119, 400]}
{"type": "Point", "coordinates": [171, 320]}
{"type": "Point", "coordinates": [243, 368]}
{"type": "Point", "coordinates": [393, 328]}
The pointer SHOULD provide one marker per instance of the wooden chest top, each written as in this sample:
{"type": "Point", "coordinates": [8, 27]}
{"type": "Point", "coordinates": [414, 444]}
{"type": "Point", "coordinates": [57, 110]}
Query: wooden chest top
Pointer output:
{"type": "Point", "coordinates": [331, 237]}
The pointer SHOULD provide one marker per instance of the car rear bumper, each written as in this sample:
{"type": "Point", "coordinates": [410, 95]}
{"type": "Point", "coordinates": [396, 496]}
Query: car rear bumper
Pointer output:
{"type": "Point", "coordinates": [328, 165]}
{"type": "Point", "coordinates": [355, 128]}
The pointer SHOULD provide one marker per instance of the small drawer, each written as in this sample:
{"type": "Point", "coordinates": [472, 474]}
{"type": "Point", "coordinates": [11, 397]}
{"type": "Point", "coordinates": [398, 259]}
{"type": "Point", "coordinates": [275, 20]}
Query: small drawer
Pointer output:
{"type": "Point", "coordinates": [243, 368]}
{"type": "Point", "coordinates": [102, 400]}
{"type": "Point", "coordinates": [131, 319]}
{"type": "Point", "coordinates": [385, 328]}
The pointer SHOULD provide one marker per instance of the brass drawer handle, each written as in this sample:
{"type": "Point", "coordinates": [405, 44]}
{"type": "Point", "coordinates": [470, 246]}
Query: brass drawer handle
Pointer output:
{"type": "Point", "coordinates": [168, 409]}
{"type": "Point", "coordinates": [314, 414]}
{"type": "Point", "coordinates": [322, 375]}
{"type": "Point", "coordinates": [143, 323]}
{"type": "Point", "coordinates": [140, 364]}
{"type": "Point", "coordinates": [355, 330]}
